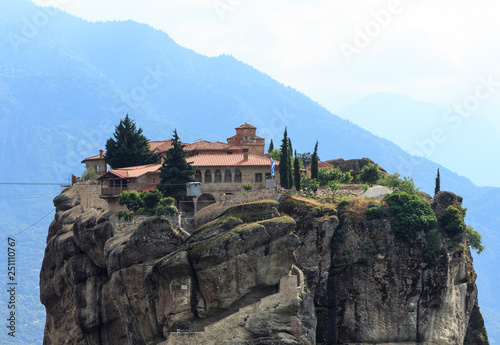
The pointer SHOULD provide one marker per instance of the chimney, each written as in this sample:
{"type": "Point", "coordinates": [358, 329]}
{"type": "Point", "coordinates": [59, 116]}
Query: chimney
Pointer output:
{"type": "Point", "coordinates": [245, 154]}
{"type": "Point", "coordinates": [101, 153]}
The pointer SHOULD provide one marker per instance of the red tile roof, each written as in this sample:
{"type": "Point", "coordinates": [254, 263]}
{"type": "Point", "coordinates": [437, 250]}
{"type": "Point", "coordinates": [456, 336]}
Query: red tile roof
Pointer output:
{"type": "Point", "coordinates": [160, 146]}
{"type": "Point", "coordinates": [132, 172]}
{"type": "Point", "coordinates": [94, 158]}
{"type": "Point", "coordinates": [147, 188]}
{"type": "Point", "coordinates": [246, 125]}
{"type": "Point", "coordinates": [229, 160]}
{"type": "Point", "coordinates": [207, 145]}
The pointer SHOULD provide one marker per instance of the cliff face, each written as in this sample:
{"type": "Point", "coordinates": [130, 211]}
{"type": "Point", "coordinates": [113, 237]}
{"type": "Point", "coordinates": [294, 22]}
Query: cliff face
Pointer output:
{"type": "Point", "coordinates": [287, 272]}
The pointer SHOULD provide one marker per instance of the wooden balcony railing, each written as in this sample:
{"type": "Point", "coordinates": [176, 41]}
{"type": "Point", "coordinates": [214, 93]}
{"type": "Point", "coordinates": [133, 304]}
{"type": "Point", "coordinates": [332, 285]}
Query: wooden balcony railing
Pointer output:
{"type": "Point", "coordinates": [112, 191]}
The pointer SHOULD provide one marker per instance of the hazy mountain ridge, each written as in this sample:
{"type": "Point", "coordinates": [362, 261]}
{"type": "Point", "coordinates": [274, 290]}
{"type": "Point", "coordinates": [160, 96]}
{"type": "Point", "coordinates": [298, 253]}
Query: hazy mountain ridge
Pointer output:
{"type": "Point", "coordinates": [63, 91]}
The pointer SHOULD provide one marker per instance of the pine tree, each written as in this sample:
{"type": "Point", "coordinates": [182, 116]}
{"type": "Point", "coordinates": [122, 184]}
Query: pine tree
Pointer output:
{"type": "Point", "coordinates": [271, 146]}
{"type": "Point", "coordinates": [284, 159]}
{"type": "Point", "coordinates": [314, 162]}
{"type": "Point", "coordinates": [438, 183]}
{"type": "Point", "coordinates": [296, 172]}
{"type": "Point", "coordinates": [129, 146]}
{"type": "Point", "coordinates": [175, 172]}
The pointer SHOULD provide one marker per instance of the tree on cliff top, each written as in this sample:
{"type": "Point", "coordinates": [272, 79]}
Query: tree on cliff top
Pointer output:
{"type": "Point", "coordinates": [284, 162]}
{"type": "Point", "coordinates": [438, 183]}
{"type": "Point", "coordinates": [129, 146]}
{"type": "Point", "coordinates": [315, 162]}
{"type": "Point", "coordinates": [175, 172]}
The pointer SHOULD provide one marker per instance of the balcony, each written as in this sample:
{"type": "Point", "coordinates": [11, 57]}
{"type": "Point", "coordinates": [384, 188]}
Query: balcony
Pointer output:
{"type": "Point", "coordinates": [112, 191]}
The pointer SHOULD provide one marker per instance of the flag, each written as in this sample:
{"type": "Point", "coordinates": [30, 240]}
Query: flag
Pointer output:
{"type": "Point", "coordinates": [272, 167]}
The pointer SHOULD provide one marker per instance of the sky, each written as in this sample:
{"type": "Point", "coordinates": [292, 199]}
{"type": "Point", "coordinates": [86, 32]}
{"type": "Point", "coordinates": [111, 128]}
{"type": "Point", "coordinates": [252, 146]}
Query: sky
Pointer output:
{"type": "Point", "coordinates": [338, 52]}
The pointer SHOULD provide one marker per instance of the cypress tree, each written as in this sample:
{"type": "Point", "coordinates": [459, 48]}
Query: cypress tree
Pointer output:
{"type": "Point", "coordinates": [129, 146]}
{"type": "Point", "coordinates": [175, 172]}
{"type": "Point", "coordinates": [438, 183]}
{"type": "Point", "coordinates": [284, 160]}
{"type": "Point", "coordinates": [296, 172]}
{"type": "Point", "coordinates": [271, 146]}
{"type": "Point", "coordinates": [314, 162]}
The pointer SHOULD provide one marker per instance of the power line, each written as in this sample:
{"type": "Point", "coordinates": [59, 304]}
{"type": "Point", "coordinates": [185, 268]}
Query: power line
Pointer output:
{"type": "Point", "coordinates": [33, 183]}
{"type": "Point", "coordinates": [32, 225]}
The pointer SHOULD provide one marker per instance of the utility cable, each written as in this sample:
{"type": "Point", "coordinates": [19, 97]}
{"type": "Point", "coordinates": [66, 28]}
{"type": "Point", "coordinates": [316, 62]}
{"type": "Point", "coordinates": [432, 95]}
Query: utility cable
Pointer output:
{"type": "Point", "coordinates": [32, 225]}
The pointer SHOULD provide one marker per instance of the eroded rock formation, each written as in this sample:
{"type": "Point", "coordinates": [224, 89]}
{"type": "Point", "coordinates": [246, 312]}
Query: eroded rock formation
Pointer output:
{"type": "Point", "coordinates": [286, 272]}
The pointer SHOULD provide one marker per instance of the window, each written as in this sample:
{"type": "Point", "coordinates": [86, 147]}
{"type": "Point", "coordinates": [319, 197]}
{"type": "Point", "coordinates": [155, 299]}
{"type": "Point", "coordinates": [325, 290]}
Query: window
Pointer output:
{"type": "Point", "coordinates": [124, 183]}
{"type": "Point", "coordinates": [208, 176]}
{"type": "Point", "coordinates": [268, 175]}
{"type": "Point", "coordinates": [258, 177]}
{"type": "Point", "coordinates": [218, 176]}
{"type": "Point", "coordinates": [97, 168]}
{"type": "Point", "coordinates": [237, 175]}
{"type": "Point", "coordinates": [227, 176]}
{"type": "Point", "coordinates": [197, 176]}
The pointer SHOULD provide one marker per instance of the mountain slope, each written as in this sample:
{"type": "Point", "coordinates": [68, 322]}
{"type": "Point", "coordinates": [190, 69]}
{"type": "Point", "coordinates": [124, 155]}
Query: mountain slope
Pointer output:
{"type": "Point", "coordinates": [430, 131]}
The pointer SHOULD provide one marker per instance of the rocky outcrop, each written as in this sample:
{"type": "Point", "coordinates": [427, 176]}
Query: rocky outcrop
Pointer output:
{"type": "Point", "coordinates": [354, 166]}
{"type": "Point", "coordinates": [286, 272]}
{"type": "Point", "coordinates": [104, 283]}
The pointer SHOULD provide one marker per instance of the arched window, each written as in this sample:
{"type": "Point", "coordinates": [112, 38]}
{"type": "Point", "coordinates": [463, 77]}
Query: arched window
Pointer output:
{"type": "Point", "coordinates": [218, 176]}
{"type": "Point", "coordinates": [197, 176]}
{"type": "Point", "coordinates": [208, 176]}
{"type": "Point", "coordinates": [227, 176]}
{"type": "Point", "coordinates": [237, 175]}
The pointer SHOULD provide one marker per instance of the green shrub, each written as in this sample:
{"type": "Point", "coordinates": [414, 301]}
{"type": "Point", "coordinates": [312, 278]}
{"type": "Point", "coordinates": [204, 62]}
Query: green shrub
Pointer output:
{"type": "Point", "coordinates": [132, 199]}
{"type": "Point", "coordinates": [434, 242]}
{"type": "Point", "coordinates": [370, 174]}
{"type": "Point", "coordinates": [375, 211]}
{"type": "Point", "coordinates": [151, 198]}
{"type": "Point", "coordinates": [408, 186]}
{"type": "Point", "coordinates": [391, 181]}
{"type": "Point", "coordinates": [247, 187]}
{"type": "Point", "coordinates": [338, 237]}
{"type": "Point", "coordinates": [364, 187]}
{"type": "Point", "coordinates": [128, 216]}
{"type": "Point", "coordinates": [343, 203]}
{"type": "Point", "coordinates": [409, 214]}
{"type": "Point", "coordinates": [474, 239]}
{"type": "Point", "coordinates": [89, 174]}
{"type": "Point", "coordinates": [325, 176]}
{"type": "Point", "coordinates": [165, 210]}
{"type": "Point", "coordinates": [309, 184]}
{"type": "Point", "coordinates": [333, 187]}
{"type": "Point", "coordinates": [167, 201]}
{"type": "Point", "coordinates": [451, 221]}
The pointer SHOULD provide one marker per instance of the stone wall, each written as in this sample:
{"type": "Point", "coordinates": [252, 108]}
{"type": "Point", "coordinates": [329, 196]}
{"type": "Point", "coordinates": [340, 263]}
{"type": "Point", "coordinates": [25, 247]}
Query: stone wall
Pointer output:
{"type": "Point", "coordinates": [250, 196]}
{"type": "Point", "coordinates": [217, 333]}
{"type": "Point", "coordinates": [96, 165]}
{"type": "Point", "coordinates": [89, 195]}
{"type": "Point", "coordinates": [123, 226]}
{"type": "Point", "coordinates": [247, 176]}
